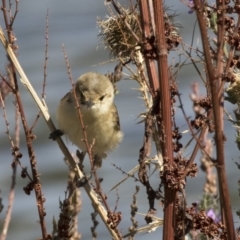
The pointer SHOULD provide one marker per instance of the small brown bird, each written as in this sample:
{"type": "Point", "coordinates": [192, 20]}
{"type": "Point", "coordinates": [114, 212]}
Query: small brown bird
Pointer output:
{"type": "Point", "coordinates": [95, 94]}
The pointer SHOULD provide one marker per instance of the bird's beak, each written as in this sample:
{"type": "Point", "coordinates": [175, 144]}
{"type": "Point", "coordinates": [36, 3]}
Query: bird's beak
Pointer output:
{"type": "Point", "coordinates": [89, 104]}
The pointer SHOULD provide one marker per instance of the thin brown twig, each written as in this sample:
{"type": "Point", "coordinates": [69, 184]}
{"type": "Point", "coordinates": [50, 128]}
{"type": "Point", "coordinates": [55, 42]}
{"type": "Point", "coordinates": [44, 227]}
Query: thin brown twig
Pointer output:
{"type": "Point", "coordinates": [9, 85]}
{"type": "Point", "coordinates": [33, 163]}
{"type": "Point", "coordinates": [13, 183]}
{"type": "Point", "coordinates": [16, 161]}
{"type": "Point", "coordinates": [124, 173]}
{"type": "Point", "coordinates": [117, 201]}
{"type": "Point", "coordinates": [45, 57]}
{"type": "Point", "coordinates": [15, 144]}
{"type": "Point", "coordinates": [44, 72]}
{"type": "Point", "coordinates": [216, 95]}
{"type": "Point", "coordinates": [197, 139]}
{"type": "Point", "coordinates": [6, 122]}
{"type": "Point", "coordinates": [85, 138]}
{"type": "Point", "coordinates": [17, 127]}
{"type": "Point", "coordinates": [28, 135]}
{"type": "Point", "coordinates": [134, 209]}
{"type": "Point", "coordinates": [89, 149]}
{"type": "Point", "coordinates": [35, 121]}
{"type": "Point", "coordinates": [12, 19]}
{"type": "Point", "coordinates": [5, 15]}
{"type": "Point", "coordinates": [143, 154]}
{"type": "Point", "coordinates": [195, 66]}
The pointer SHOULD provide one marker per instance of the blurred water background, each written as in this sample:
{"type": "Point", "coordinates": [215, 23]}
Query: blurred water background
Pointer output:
{"type": "Point", "coordinates": [74, 24]}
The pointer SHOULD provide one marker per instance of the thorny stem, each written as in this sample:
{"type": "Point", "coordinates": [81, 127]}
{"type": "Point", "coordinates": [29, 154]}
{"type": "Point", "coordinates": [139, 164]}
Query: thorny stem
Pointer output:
{"type": "Point", "coordinates": [8, 84]}
{"type": "Point", "coordinates": [44, 72]}
{"type": "Point", "coordinates": [12, 19]}
{"type": "Point", "coordinates": [14, 144]}
{"type": "Point", "coordinates": [85, 138]}
{"type": "Point", "coordinates": [89, 147]}
{"type": "Point", "coordinates": [13, 183]}
{"type": "Point", "coordinates": [33, 162]}
{"type": "Point", "coordinates": [46, 57]}
{"type": "Point", "coordinates": [217, 101]}
{"type": "Point", "coordinates": [28, 134]}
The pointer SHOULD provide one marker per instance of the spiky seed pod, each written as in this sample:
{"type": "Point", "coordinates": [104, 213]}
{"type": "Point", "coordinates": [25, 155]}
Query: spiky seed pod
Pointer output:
{"type": "Point", "coordinates": [115, 34]}
{"type": "Point", "coordinates": [122, 33]}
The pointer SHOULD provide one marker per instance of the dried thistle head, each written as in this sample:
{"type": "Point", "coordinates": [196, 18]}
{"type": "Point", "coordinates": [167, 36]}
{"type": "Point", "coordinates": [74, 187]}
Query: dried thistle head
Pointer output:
{"type": "Point", "coordinates": [122, 32]}
{"type": "Point", "coordinates": [115, 34]}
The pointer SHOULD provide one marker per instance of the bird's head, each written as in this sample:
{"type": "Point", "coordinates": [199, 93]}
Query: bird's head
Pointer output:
{"type": "Point", "coordinates": [95, 92]}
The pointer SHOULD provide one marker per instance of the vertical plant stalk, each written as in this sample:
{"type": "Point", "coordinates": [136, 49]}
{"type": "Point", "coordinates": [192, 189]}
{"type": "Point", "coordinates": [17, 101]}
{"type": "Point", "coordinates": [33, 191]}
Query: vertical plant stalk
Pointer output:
{"type": "Point", "coordinates": [45, 57]}
{"type": "Point", "coordinates": [33, 162]}
{"type": "Point", "coordinates": [166, 112]}
{"type": "Point", "coordinates": [217, 101]}
{"type": "Point", "coordinates": [98, 188]}
{"type": "Point", "coordinates": [14, 171]}
{"type": "Point", "coordinates": [150, 63]}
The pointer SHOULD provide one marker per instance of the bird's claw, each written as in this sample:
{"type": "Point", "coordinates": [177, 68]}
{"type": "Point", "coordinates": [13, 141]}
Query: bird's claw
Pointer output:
{"type": "Point", "coordinates": [55, 134]}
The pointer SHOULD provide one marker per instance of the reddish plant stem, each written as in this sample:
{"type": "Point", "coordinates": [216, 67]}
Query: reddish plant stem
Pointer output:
{"type": "Point", "coordinates": [150, 65]}
{"type": "Point", "coordinates": [44, 72]}
{"type": "Point", "coordinates": [165, 106]}
{"type": "Point", "coordinates": [11, 196]}
{"type": "Point", "coordinates": [45, 58]}
{"type": "Point", "coordinates": [198, 140]}
{"type": "Point", "coordinates": [218, 88]}
{"type": "Point", "coordinates": [33, 162]}
{"type": "Point", "coordinates": [28, 134]}
{"type": "Point", "coordinates": [12, 18]}
{"type": "Point", "coordinates": [217, 101]}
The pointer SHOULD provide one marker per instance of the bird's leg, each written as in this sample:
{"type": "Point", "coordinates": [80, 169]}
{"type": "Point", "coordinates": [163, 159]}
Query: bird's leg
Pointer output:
{"type": "Point", "coordinates": [55, 134]}
{"type": "Point", "coordinates": [81, 156]}
{"type": "Point", "coordinates": [97, 161]}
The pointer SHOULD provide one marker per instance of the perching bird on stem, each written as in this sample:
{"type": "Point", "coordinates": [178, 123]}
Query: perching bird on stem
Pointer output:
{"type": "Point", "coordinates": [95, 94]}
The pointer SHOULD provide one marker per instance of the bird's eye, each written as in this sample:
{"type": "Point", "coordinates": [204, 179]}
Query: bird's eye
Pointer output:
{"type": "Point", "coordinates": [101, 98]}
{"type": "Point", "coordinates": [81, 94]}
{"type": "Point", "coordinates": [82, 97]}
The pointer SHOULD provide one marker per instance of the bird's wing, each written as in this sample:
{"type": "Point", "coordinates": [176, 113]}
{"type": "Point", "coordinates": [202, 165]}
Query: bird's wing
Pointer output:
{"type": "Point", "coordinates": [115, 117]}
{"type": "Point", "coordinates": [67, 98]}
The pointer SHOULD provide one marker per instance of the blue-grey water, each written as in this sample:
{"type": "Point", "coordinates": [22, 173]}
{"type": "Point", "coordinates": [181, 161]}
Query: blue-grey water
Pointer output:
{"type": "Point", "coordinates": [74, 24]}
